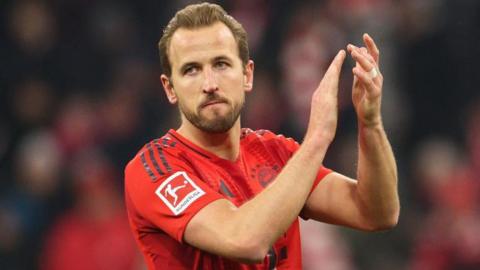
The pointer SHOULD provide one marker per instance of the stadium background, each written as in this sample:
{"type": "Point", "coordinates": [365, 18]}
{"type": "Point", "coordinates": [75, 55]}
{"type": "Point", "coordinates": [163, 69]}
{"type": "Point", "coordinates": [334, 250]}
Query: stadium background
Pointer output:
{"type": "Point", "coordinates": [80, 93]}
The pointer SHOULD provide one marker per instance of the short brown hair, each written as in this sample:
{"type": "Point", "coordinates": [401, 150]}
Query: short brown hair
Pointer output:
{"type": "Point", "coordinates": [196, 16]}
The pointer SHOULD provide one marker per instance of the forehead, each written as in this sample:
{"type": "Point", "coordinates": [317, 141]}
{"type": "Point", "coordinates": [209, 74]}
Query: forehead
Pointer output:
{"type": "Point", "coordinates": [196, 44]}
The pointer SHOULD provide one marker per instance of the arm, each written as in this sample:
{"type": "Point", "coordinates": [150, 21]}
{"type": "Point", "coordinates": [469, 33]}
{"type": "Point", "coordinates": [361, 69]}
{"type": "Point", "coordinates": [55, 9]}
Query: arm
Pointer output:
{"type": "Point", "coordinates": [247, 232]}
{"type": "Point", "coordinates": [372, 202]}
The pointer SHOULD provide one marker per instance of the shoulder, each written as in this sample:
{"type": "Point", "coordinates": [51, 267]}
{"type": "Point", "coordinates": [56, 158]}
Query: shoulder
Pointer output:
{"type": "Point", "coordinates": [268, 141]}
{"type": "Point", "coordinates": [266, 136]}
{"type": "Point", "coordinates": [155, 159]}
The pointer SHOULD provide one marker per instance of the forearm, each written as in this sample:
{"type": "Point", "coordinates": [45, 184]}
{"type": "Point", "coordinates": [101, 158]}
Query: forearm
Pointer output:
{"type": "Point", "coordinates": [270, 213]}
{"type": "Point", "coordinates": [377, 177]}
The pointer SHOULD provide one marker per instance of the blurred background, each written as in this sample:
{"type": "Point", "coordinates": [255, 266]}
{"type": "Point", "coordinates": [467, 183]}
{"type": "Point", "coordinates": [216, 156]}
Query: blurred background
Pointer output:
{"type": "Point", "coordinates": [80, 94]}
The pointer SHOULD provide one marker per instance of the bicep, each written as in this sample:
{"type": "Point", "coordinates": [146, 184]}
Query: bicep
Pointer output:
{"type": "Point", "coordinates": [335, 200]}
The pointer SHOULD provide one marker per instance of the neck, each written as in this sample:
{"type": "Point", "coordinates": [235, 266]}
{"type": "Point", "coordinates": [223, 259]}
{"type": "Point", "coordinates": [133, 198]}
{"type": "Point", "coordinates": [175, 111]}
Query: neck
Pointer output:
{"type": "Point", "coordinates": [225, 145]}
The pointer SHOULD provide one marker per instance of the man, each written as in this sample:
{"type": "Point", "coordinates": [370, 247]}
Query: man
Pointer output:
{"type": "Point", "coordinates": [211, 195]}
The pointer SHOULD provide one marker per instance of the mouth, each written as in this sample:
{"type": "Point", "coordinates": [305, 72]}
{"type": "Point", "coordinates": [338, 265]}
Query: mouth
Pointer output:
{"type": "Point", "coordinates": [212, 102]}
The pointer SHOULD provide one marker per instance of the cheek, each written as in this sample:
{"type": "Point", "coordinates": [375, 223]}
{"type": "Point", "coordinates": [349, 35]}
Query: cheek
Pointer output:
{"type": "Point", "coordinates": [189, 101]}
{"type": "Point", "coordinates": [232, 82]}
{"type": "Point", "coordinates": [187, 89]}
{"type": "Point", "coordinates": [233, 75]}
{"type": "Point", "coordinates": [187, 84]}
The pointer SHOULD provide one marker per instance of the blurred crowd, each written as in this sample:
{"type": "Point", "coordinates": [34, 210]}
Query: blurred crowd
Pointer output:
{"type": "Point", "coordinates": [80, 94]}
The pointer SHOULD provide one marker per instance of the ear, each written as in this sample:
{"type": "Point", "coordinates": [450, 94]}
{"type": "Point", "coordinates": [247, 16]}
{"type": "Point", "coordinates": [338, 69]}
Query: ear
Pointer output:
{"type": "Point", "coordinates": [248, 76]}
{"type": "Point", "coordinates": [168, 87]}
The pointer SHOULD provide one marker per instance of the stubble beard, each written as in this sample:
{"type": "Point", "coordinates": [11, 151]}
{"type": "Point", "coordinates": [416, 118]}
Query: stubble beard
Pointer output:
{"type": "Point", "coordinates": [219, 124]}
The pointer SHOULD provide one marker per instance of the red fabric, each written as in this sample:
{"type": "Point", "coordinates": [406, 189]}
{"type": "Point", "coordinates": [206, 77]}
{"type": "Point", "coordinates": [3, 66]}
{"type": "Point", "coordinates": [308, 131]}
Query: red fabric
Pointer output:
{"type": "Point", "coordinates": [170, 171]}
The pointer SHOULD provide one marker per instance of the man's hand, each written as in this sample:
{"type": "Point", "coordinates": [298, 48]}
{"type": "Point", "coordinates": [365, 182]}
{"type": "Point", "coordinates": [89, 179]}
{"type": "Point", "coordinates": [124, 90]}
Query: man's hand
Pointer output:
{"type": "Point", "coordinates": [324, 109]}
{"type": "Point", "coordinates": [367, 82]}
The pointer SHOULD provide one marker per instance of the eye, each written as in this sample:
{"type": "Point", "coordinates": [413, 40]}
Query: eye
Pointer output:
{"type": "Point", "coordinates": [191, 70]}
{"type": "Point", "coordinates": [221, 65]}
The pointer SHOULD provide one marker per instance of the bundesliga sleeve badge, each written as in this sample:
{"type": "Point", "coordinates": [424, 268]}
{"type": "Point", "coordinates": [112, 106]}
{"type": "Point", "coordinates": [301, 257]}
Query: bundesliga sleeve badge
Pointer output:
{"type": "Point", "coordinates": [179, 191]}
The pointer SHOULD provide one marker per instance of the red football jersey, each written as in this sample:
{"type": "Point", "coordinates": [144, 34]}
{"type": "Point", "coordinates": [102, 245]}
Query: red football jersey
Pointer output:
{"type": "Point", "coordinates": [171, 179]}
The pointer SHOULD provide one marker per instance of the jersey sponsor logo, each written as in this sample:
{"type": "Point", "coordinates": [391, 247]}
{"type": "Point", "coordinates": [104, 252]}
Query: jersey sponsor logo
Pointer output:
{"type": "Point", "coordinates": [179, 191]}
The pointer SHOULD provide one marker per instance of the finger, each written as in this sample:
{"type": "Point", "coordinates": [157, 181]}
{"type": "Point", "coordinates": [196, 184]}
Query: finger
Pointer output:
{"type": "Point", "coordinates": [374, 72]}
{"type": "Point", "coordinates": [363, 50]}
{"type": "Point", "coordinates": [333, 72]}
{"type": "Point", "coordinates": [365, 53]}
{"type": "Point", "coordinates": [365, 64]}
{"type": "Point", "coordinates": [372, 47]}
{"type": "Point", "coordinates": [364, 78]}
{"type": "Point", "coordinates": [351, 47]}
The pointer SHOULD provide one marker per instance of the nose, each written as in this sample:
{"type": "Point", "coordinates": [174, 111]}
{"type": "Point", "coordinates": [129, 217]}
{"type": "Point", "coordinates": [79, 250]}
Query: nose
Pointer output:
{"type": "Point", "coordinates": [210, 84]}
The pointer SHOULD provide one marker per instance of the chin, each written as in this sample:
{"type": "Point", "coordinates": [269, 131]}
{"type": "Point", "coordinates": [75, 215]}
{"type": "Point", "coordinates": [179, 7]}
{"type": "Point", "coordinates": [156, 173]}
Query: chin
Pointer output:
{"type": "Point", "coordinates": [218, 126]}
{"type": "Point", "coordinates": [216, 121]}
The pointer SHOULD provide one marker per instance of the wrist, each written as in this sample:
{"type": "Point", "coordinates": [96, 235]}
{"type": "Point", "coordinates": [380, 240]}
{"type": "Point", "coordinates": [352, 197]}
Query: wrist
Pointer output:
{"type": "Point", "coordinates": [370, 135]}
{"type": "Point", "coordinates": [315, 148]}
{"type": "Point", "coordinates": [376, 124]}
{"type": "Point", "coordinates": [317, 141]}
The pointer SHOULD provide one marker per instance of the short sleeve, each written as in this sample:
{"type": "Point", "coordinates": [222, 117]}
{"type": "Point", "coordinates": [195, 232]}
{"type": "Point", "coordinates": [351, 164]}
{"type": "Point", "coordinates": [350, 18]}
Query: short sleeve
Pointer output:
{"type": "Point", "coordinates": [165, 192]}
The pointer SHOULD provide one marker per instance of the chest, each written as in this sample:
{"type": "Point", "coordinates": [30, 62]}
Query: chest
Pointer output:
{"type": "Point", "coordinates": [241, 180]}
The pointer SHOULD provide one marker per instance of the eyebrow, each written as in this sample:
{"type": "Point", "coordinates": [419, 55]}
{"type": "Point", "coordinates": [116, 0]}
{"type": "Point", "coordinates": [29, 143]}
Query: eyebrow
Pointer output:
{"type": "Point", "coordinates": [222, 57]}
